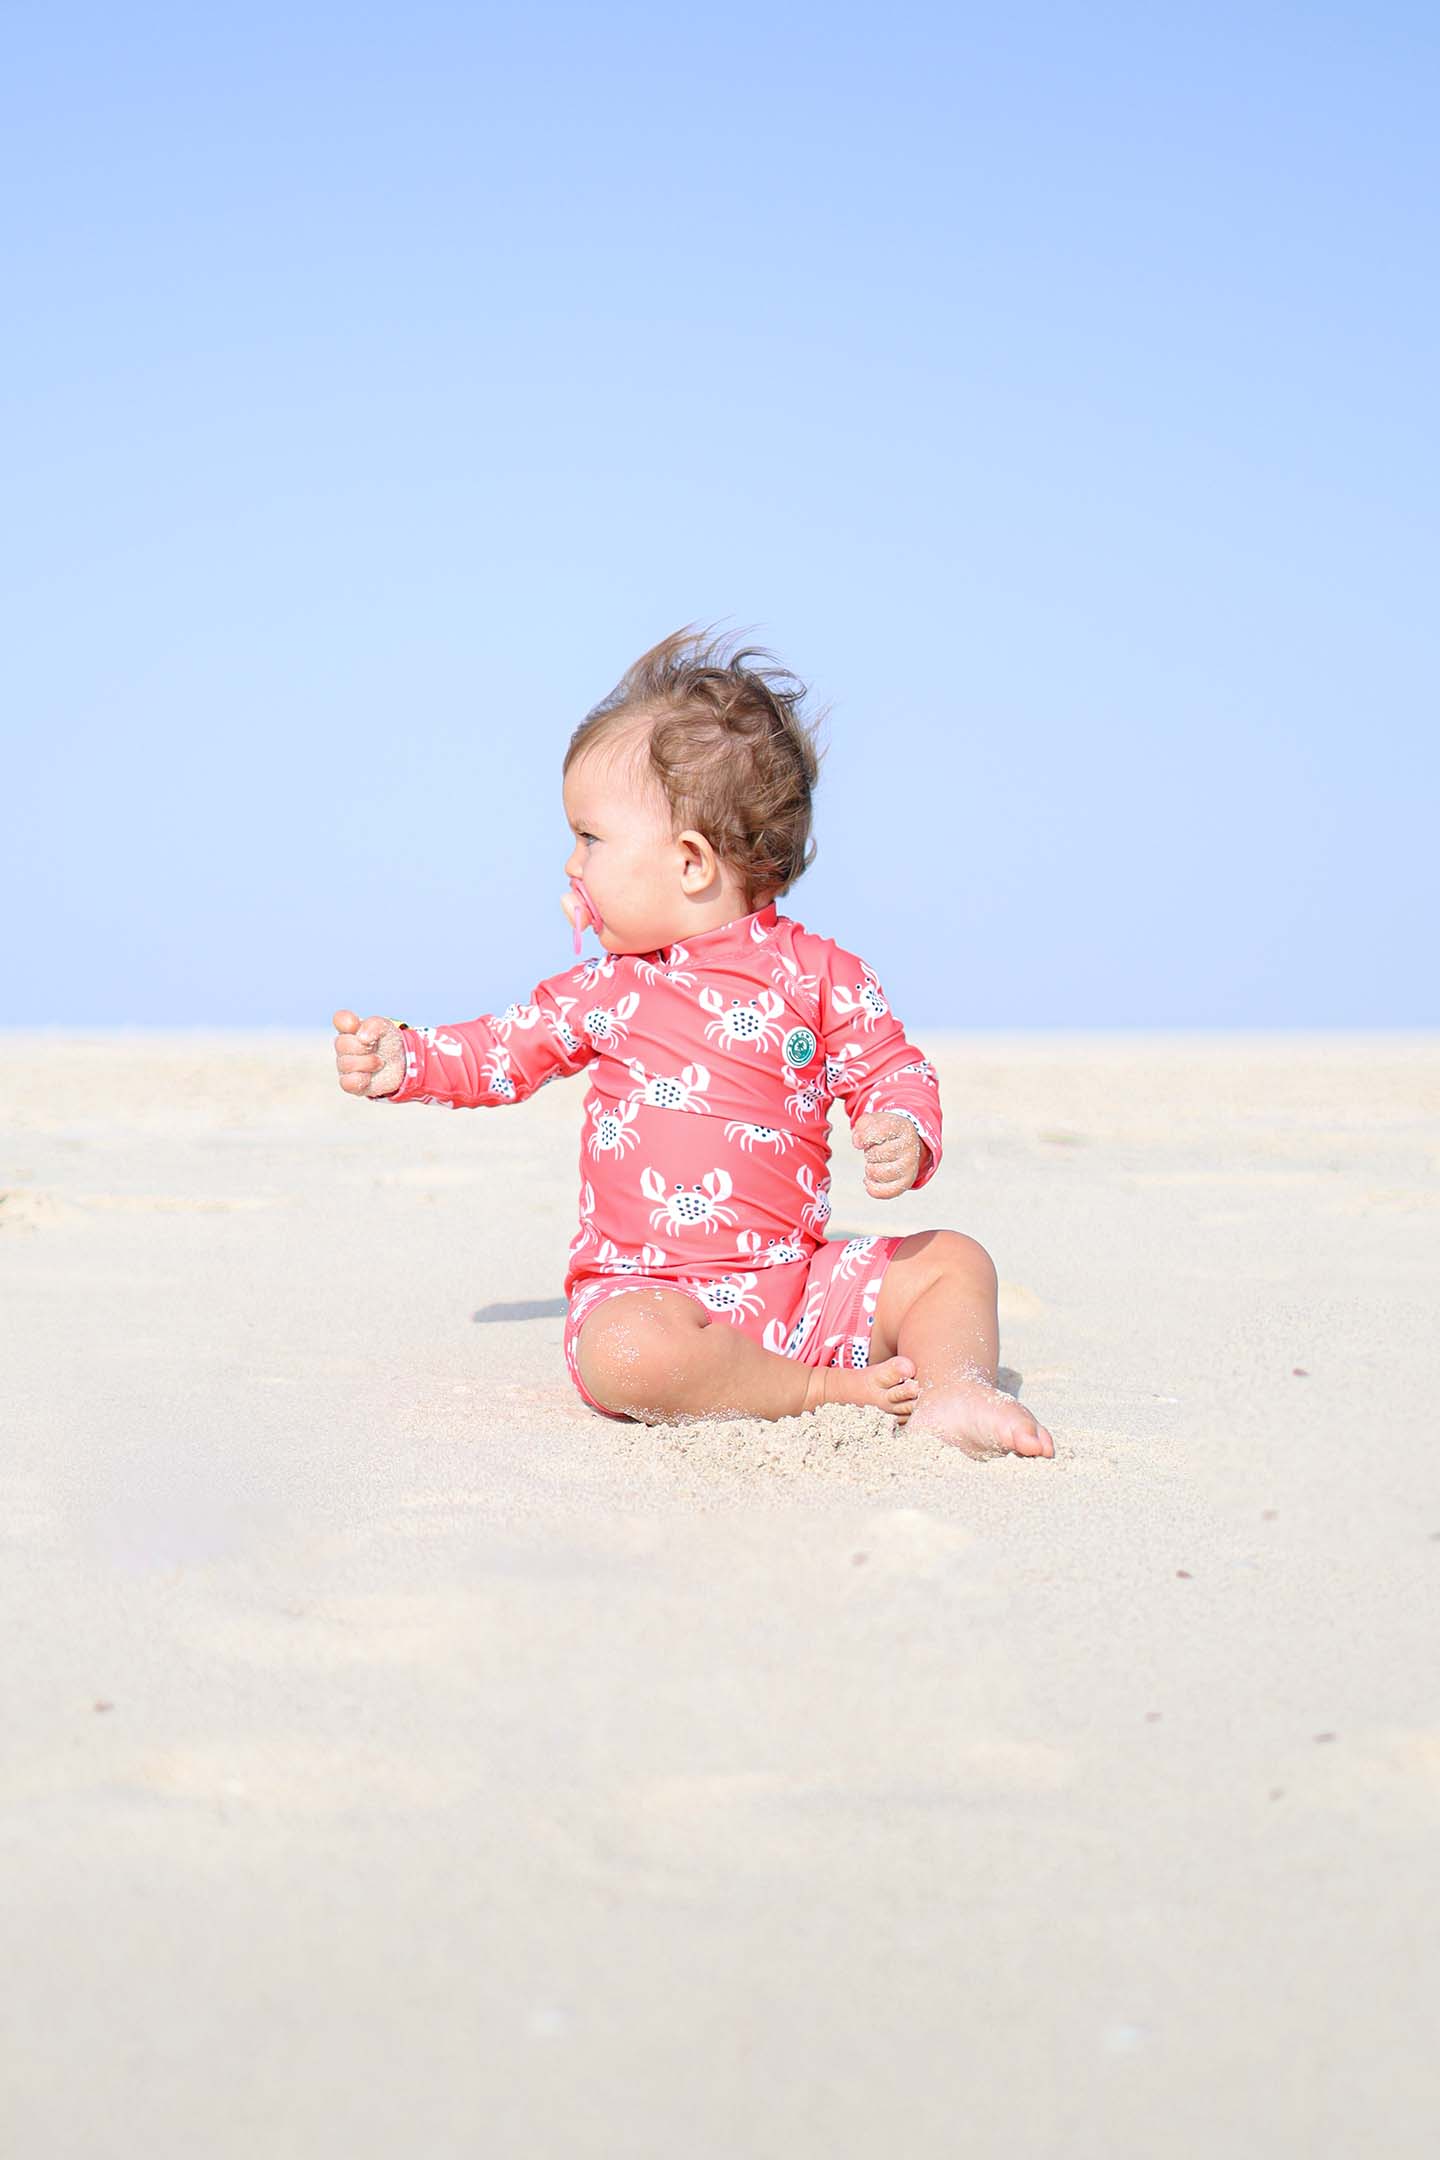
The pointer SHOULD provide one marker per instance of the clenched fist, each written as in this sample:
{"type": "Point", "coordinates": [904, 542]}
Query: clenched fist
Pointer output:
{"type": "Point", "coordinates": [370, 1054]}
{"type": "Point", "coordinates": [893, 1150]}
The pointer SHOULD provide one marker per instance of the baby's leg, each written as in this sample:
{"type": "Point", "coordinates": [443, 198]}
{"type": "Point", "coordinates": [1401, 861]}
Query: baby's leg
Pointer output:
{"type": "Point", "coordinates": [937, 1305]}
{"type": "Point", "coordinates": [656, 1354]}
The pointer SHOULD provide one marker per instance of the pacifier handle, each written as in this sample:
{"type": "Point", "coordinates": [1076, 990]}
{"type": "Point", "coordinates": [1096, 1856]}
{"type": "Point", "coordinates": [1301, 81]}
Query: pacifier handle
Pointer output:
{"type": "Point", "coordinates": [585, 917]}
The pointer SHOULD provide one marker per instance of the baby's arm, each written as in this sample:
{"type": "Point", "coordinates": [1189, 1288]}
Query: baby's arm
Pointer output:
{"type": "Point", "coordinates": [888, 1087]}
{"type": "Point", "coordinates": [471, 1064]}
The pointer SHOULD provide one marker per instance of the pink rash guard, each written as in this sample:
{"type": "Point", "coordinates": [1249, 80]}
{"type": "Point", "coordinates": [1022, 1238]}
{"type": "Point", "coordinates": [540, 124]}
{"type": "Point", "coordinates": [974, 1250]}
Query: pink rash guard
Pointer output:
{"type": "Point", "coordinates": [705, 1150]}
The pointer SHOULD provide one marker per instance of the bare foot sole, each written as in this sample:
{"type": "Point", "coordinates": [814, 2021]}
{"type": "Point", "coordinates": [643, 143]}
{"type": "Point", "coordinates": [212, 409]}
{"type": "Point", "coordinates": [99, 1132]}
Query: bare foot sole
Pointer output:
{"type": "Point", "coordinates": [890, 1386]}
{"type": "Point", "coordinates": [973, 1415]}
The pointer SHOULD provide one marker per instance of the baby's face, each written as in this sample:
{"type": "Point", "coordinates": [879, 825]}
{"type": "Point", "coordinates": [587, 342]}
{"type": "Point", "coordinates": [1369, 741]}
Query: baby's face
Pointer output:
{"type": "Point", "coordinates": [625, 854]}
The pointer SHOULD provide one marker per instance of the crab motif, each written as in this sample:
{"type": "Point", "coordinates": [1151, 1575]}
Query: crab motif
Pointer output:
{"type": "Point", "coordinates": [787, 975]}
{"type": "Point", "coordinates": [586, 1233]}
{"type": "Point", "coordinates": [853, 1253]}
{"type": "Point", "coordinates": [590, 972]}
{"type": "Point", "coordinates": [806, 1098]}
{"type": "Point", "coordinates": [844, 1072]}
{"type": "Point", "coordinates": [781, 1251]}
{"type": "Point", "coordinates": [728, 1294]}
{"type": "Point", "coordinates": [436, 1041]}
{"type": "Point", "coordinates": [560, 1026]}
{"type": "Point", "coordinates": [689, 1207]}
{"type": "Point", "coordinates": [613, 1130]}
{"type": "Point", "coordinates": [864, 1000]}
{"type": "Point", "coordinates": [922, 1068]}
{"type": "Point", "coordinates": [615, 1262]}
{"type": "Point", "coordinates": [775, 1337]}
{"type": "Point", "coordinates": [670, 1091]}
{"type": "Point", "coordinates": [854, 1351]}
{"type": "Point", "coordinates": [817, 1214]}
{"type": "Point", "coordinates": [515, 1016]}
{"type": "Point", "coordinates": [751, 1137]}
{"type": "Point", "coordinates": [497, 1073]}
{"type": "Point", "coordinates": [672, 970]}
{"type": "Point", "coordinates": [751, 1021]}
{"type": "Point", "coordinates": [608, 1023]}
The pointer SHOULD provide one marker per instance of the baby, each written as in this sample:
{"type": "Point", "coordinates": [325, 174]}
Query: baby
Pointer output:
{"type": "Point", "coordinates": [717, 1032]}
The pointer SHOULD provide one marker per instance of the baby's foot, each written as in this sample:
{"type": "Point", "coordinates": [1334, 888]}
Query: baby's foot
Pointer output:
{"type": "Point", "coordinates": [973, 1415]}
{"type": "Point", "coordinates": [890, 1386]}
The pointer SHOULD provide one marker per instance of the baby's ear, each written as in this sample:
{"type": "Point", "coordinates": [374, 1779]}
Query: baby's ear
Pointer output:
{"type": "Point", "coordinates": [699, 864]}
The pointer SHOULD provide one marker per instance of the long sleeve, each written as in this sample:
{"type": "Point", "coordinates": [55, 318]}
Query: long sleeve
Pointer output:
{"type": "Point", "coordinates": [868, 1061]}
{"type": "Point", "coordinates": [499, 1058]}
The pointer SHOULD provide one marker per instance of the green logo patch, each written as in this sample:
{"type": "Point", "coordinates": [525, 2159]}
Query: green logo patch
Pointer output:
{"type": "Point", "coordinates": [798, 1047]}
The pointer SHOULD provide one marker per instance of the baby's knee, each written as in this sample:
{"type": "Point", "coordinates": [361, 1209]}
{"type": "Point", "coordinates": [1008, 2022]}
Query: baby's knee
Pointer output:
{"type": "Point", "coordinates": [954, 1253]}
{"type": "Point", "coordinates": [626, 1349]}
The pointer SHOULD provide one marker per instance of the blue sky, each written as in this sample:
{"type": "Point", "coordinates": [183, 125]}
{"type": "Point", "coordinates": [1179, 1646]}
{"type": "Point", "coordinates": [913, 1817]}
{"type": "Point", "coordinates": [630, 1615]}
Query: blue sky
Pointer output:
{"type": "Point", "coordinates": [1052, 388]}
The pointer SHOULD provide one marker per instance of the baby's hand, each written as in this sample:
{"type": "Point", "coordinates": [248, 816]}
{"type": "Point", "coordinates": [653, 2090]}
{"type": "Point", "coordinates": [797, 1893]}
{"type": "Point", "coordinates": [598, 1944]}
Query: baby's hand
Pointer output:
{"type": "Point", "coordinates": [892, 1153]}
{"type": "Point", "coordinates": [370, 1054]}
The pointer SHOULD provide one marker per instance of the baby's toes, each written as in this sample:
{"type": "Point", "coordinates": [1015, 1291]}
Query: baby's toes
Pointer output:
{"type": "Point", "coordinates": [1027, 1437]}
{"type": "Point", "coordinates": [894, 1375]}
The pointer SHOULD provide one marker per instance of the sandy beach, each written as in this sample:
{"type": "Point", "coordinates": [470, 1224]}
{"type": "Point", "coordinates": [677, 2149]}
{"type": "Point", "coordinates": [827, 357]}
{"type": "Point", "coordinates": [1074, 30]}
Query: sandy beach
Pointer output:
{"type": "Point", "coordinates": [401, 1760]}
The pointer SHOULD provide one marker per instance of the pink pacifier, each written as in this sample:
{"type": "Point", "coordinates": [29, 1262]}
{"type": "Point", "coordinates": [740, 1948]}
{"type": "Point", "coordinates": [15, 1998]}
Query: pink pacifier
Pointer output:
{"type": "Point", "coordinates": [586, 915]}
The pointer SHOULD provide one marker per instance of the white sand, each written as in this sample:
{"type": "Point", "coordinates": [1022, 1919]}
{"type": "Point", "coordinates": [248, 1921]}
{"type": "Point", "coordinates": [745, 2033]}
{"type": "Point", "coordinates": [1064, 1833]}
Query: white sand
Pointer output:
{"type": "Point", "coordinates": [400, 1761]}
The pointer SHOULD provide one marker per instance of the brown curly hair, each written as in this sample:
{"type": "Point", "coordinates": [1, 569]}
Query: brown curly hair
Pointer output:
{"type": "Point", "coordinates": [728, 748]}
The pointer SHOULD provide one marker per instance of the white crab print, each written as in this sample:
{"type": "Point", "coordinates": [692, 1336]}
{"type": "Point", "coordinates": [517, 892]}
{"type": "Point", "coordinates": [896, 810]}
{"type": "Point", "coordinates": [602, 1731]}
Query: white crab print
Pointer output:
{"type": "Point", "coordinates": [775, 1337]}
{"type": "Point", "coordinates": [672, 970]}
{"type": "Point", "coordinates": [613, 1130]}
{"type": "Point", "coordinates": [560, 1026]}
{"type": "Point", "coordinates": [817, 1214]}
{"type": "Point", "coordinates": [782, 1251]}
{"type": "Point", "coordinates": [438, 1041]}
{"type": "Point", "coordinates": [751, 1137]}
{"type": "Point", "coordinates": [670, 1091]}
{"type": "Point", "coordinates": [615, 1262]}
{"type": "Point", "coordinates": [586, 1234]}
{"type": "Point", "coordinates": [787, 975]}
{"type": "Point", "coordinates": [728, 1294]}
{"type": "Point", "coordinates": [854, 1351]}
{"type": "Point", "coordinates": [853, 1254]}
{"type": "Point", "coordinates": [590, 972]}
{"type": "Point", "coordinates": [864, 1000]}
{"type": "Point", "coordinates": [807, 1098]}
{"type": "Point", "coordinates": [497, 1074]}
{"type": "Point", "coordinates": [751, 1021]}
{"type": "Point", "coordinates": [610, 1023]}
{"type": "Point", "coordinates": [689, 1207]}
{"type": "Point", "coordinates": [846, 1071]}
{"type": "Point", "coordinates": [516, 1016]}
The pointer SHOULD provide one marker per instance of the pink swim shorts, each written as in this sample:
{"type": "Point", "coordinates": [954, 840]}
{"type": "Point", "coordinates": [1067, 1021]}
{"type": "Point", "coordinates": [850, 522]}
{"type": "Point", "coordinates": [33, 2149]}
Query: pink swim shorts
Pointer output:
{"type": "Point", "coordinates": [818, 1311]}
